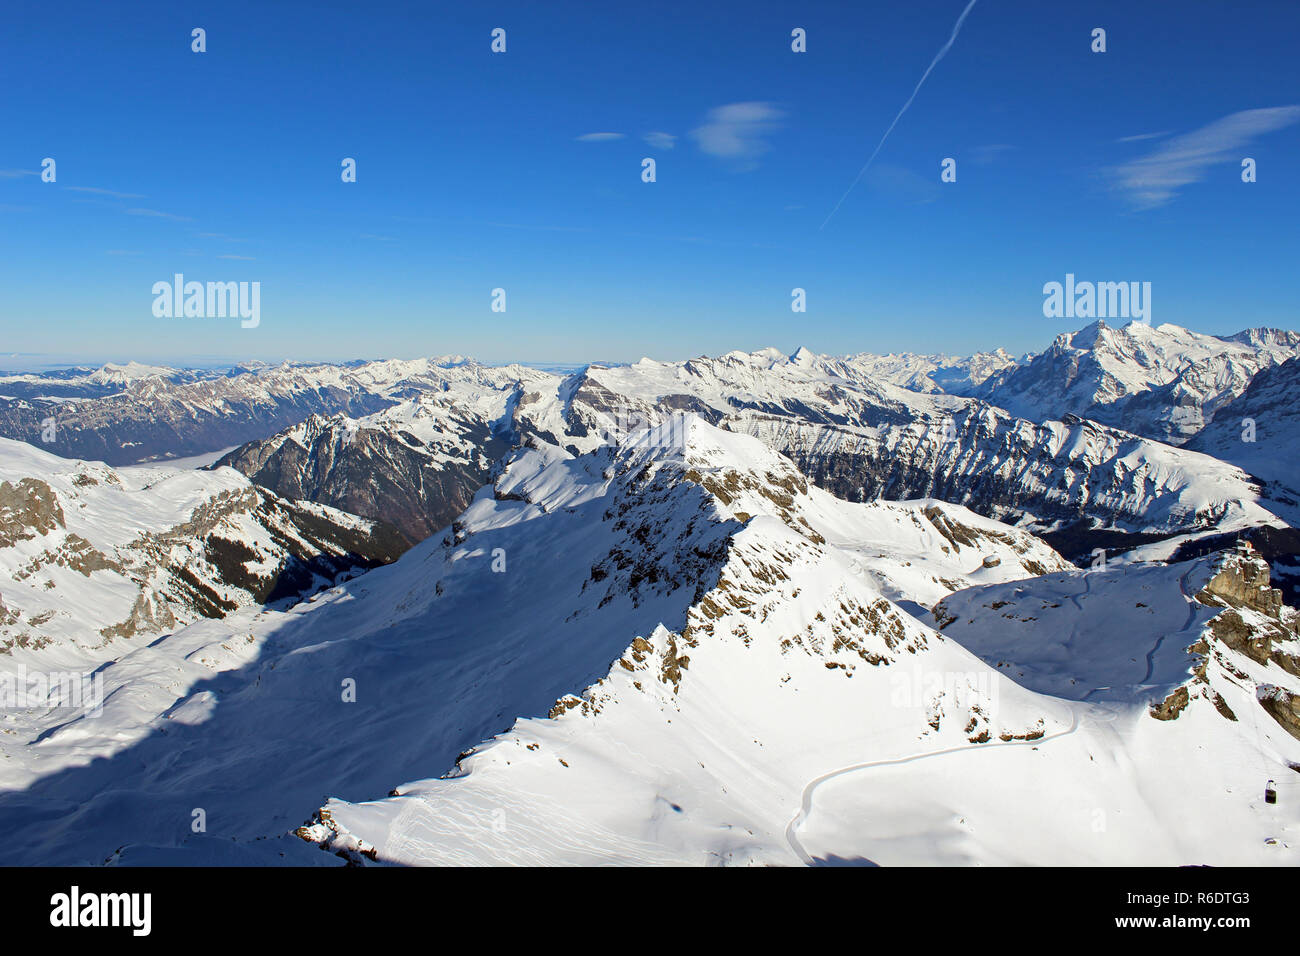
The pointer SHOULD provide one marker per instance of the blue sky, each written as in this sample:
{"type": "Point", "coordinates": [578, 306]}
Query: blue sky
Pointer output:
{"type": "Point", "coordinates": [477, 171]}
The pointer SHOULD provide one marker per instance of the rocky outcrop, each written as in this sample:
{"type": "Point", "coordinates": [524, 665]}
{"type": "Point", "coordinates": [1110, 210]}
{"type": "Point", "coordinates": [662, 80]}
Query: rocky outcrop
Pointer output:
{"type": "Point", "coordinates": [1243, 581]}
{"type": "Point", "coordinates": [1253, 624]}
{"type": "Point", "coordinates": [27, 509]}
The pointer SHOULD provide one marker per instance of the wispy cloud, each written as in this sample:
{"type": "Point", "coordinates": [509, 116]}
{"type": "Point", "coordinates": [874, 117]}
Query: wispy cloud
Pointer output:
{"type": "Point", "coordinates": [104, 192]}
{"type": "Point", "coordinates": [599, 137]}
{"type": "Point", "coordinates": [1154, 179]}
{"type": "Point", "coordinates": [987, 155]}
{"type": "Point", "coordinates": [658, 140]}
{"type": "Point", "coordinates": [534, 227]}
{"type": "Point", "coordinates": [902, 184]}
{"type": "Point", "coordinates": [157, 215]}
{"type": "Point", "coordinates": [15, 173]}
{"type": "Point", "coordinates": [1141, 136]}
{"type": "Point", "coordinates": [738, 132]}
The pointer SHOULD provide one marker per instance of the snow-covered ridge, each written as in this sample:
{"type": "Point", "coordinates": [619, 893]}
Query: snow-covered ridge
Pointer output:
{"type": "Point", "coordinates": [89, 554]}
{"type": "Point", "coordinates": [1260, 429]}
{"type": "Point", "coordinates": [658, 538]}
{"type": "Point", "coordinates": [863, 439]}
{"type": "Point", "coordinates": [1164, 382]}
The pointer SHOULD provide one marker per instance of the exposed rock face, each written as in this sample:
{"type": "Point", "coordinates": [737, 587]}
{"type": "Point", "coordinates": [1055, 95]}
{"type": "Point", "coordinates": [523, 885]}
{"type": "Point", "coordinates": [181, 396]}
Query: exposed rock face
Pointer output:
{"type": "Point", "coordinates": [1004, 468]}
{"type": "Point", "coordinates": [1243, 581]}
{"type": "Point", "coordinates": [1254, 623]}
{"type": "Point", "coordinates": [862, 439]}
{"type": "Point", "coordinates": [1283, 706]}
{"type": "Point", "coordinates": [27, 509]}
{"type": "Point", "coordinates": [1171, 706]}
{"type": "Point", "coordinates": [87, 557]}
{"type": "Point", "coordinates": [379, 468]}
{"type": "Point", "coordinates": [1241, 587]}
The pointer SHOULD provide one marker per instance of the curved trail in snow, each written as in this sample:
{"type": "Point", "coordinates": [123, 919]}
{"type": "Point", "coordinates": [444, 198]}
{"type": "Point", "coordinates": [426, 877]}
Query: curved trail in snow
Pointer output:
{"type": "Point", "coordinates": [805, 804]}
{"type": "Point", "coordinates": [1087, 589]}
{"type": "Point", "coordinates": [1191, 619]}
{"type": "Point", "coordinates": [1100, 713]}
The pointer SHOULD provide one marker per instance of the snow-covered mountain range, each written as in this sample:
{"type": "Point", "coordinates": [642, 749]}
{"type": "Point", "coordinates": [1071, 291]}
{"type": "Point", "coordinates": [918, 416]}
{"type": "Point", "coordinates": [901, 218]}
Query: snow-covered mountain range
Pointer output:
{"type": "Point", "coordinates": [149, 414]}
{"type": "Point", "coordinates": [1165, 382]}
{"type": "Point", "coordinates": [762, 608]}
{"type": "Point", "coordinates": [679, 650]}
{"type": "Point", "coordinates": [936, 373]}
{"type": "Point", "coordinates": [416, 463]}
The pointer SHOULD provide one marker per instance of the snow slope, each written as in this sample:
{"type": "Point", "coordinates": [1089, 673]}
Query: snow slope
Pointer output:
{"type": "Point", "coordinates": [89, 555]}
{"type": "Point", "coordinates": [445, 652]}
{"type": "Point", "coordinates": [1260, 430]}
{"type": "Point", "coordinates": [698, 757]}
{"type": "Point", "coordinates": [674, 650]}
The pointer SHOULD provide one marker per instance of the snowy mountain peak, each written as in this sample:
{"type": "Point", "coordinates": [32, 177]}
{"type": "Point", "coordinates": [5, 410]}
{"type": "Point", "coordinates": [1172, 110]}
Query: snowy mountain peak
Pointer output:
{"type": "Point", "coordinates": [1164, 382]}
{"type": "Point", "coordinates": [111, 374]}
{"type": "Point", "coordinates": [802, 356]}
{"type": "Point", "coordinates": [1266, 338]}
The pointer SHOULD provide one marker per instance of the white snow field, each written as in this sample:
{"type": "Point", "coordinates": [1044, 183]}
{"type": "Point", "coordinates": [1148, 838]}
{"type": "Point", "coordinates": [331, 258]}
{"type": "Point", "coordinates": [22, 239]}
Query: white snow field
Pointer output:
{"type": "Point", "coordinates": [679, 651]}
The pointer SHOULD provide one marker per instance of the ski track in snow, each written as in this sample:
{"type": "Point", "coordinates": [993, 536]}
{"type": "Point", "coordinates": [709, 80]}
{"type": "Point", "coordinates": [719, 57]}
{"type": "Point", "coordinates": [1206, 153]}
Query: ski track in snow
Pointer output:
{"type": "Point", "coordinates": [805, 806]}
{"type": "Point", "coordinates": [1087, 589]}
{"type": "Point", "coordinates": [1191, 619]}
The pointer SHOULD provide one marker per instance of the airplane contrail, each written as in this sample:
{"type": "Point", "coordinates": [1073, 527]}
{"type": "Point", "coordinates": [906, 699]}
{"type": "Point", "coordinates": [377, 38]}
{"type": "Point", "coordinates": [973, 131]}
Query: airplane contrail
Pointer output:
{"type": "Point", "coordinates": [939, 56]}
